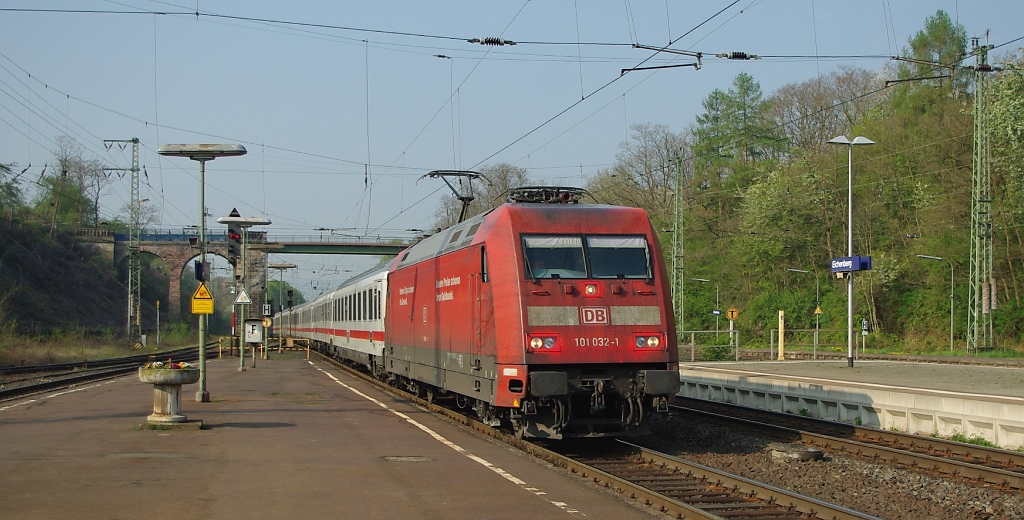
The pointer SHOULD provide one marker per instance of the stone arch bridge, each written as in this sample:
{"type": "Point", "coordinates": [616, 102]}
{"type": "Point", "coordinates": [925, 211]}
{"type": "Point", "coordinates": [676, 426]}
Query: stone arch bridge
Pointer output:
{"type": "Point", "coordinates": [179, 249]}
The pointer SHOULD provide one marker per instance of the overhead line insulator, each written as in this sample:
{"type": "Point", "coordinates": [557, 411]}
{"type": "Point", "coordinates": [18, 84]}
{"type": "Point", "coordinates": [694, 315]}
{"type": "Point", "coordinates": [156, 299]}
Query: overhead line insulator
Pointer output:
{"type": "Point", "coordinates": [492, 41]}
{"type": "Point", "coordinates": [737, 56]}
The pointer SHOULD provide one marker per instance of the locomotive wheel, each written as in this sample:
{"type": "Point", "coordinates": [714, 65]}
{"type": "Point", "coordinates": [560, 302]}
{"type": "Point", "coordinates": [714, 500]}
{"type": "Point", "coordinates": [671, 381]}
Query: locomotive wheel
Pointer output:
{"type": "Point", "coordinates": [519, 428]}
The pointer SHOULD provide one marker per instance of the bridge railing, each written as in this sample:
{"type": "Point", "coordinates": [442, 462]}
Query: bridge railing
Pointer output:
{"type": "Point", "coordinates": [220, 235]}
{"type": "Point", "coordinates": [342, 239]}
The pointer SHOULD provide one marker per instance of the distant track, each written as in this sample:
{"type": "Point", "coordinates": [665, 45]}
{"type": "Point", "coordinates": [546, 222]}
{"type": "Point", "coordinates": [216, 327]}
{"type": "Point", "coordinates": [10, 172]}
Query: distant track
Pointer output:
{"type": "Point", "coordinates": [949, 459]}
{"type": "Point", "coordinates": [44, 378]}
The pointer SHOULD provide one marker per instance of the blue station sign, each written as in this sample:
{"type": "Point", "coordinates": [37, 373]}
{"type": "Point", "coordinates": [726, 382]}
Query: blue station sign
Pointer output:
{"type": "Point", "coordinates": [848, 264]}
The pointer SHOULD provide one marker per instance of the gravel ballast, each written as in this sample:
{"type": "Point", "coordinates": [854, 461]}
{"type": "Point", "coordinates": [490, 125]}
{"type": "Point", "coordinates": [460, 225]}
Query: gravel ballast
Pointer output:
{"type": "Point", "coordinates": [872, 488]}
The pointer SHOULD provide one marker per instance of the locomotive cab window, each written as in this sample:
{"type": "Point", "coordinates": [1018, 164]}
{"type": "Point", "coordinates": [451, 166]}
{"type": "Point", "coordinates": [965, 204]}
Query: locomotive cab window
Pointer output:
{"type": "Point", "coordinates": [554, 257]}
{"type": "Point", "coordinates": [618, 256]}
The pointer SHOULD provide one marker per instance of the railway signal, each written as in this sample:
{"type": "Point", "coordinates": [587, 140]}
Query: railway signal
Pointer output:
{"type": "Point", "coordinates": [234, 244]}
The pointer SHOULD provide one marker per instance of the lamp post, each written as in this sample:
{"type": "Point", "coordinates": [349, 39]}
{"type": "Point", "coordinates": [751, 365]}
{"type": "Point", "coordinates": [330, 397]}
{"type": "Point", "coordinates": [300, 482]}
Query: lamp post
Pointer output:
{"type": "Point", "coordinates": [717, 310]}
{"type": "Point", "coordinates": [849, 276]}
{"type": "Point", "coordinates": [939, 258]}
{"type": "Point", "coordinates": [245, 223]}
{"type": "Point", "coordinates": [202, 153]}
{"type": "Point", "coordinates": [280, 291]}
{"type": "Point", "coordinates": [817, 305]}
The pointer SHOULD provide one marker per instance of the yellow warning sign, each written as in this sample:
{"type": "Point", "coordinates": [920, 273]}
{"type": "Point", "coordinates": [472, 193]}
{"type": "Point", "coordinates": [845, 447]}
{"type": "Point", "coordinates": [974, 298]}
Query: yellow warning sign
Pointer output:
{"type": "Point", "coordinates": [202, 300]}
{"type": "Point", "coordinates": [202, 293]}
{"type": "Point", "coordinates": [817, 310]}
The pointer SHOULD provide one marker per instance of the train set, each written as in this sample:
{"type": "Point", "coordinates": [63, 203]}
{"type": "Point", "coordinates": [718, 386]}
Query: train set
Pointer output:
{"type": "Point", "coordinates": [546, 315]}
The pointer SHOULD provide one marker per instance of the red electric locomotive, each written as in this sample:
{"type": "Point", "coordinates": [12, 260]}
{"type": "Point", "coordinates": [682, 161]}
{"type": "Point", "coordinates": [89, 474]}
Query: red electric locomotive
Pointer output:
{"type": "Point", "coordinates": [551, 315]}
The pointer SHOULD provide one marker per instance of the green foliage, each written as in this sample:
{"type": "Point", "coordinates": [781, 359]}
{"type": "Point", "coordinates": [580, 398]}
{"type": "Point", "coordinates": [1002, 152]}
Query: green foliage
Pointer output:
{"type": "Point", "coordinates": [11, 201]}
{"type": "Point", "coordinates": [942, 43]}
{"type": "Point", "coordinates": [178, 334]}
{"type": "Point", "coordinates": [755, 205]}
{"type": "Point", "coordinates": [973, 439]}
{"type": "Point", "coordinates": [276, 287]}
{"type": "Point", "coordinates": [717, 353]}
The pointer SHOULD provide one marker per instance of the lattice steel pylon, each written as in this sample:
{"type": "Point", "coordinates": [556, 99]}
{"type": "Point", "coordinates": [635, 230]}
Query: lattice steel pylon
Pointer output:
{"type": "Point", "coordinates": [134, 326]}
{"type": "Point", "coordinates": [981, 298]}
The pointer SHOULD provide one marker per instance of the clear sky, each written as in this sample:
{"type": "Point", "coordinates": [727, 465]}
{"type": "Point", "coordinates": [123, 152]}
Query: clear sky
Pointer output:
{"type": "Point", "coordinates": [343, 106]}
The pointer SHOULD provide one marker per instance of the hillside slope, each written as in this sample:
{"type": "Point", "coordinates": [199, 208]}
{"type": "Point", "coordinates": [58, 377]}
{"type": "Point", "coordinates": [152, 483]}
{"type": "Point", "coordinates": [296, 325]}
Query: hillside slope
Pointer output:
{"type": "Point", "coordinates": [54, 283]}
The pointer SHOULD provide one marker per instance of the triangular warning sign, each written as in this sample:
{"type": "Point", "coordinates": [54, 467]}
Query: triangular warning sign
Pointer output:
{"type": "Point", "coordinates": [817, 310]}
{"type": "Point", "coordinates": [243, 298]}
{"type": "Point", "coordinates": [202, 293]}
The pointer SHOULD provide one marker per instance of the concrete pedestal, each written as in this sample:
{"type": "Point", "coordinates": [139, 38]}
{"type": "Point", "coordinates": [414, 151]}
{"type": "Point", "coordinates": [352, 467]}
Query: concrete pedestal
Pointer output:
{"type": "Point", "coordinates": [167, 392]}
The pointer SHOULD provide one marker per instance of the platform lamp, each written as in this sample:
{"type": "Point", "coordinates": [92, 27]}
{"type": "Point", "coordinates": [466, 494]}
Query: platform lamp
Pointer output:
{"type": "Point", "coordinates": [202, 153]}
{"type": "Point", "coordinates": [244, 223]}
{"type": "Point", "coordinates": [849, 276]}
{"type": "Point", "coordinates": [280, 290]}
{"type": "Point", "coordinates": [939, 258]}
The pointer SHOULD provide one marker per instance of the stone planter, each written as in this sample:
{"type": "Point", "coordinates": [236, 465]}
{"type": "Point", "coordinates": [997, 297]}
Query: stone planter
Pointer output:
{"type": "Point", "coordinates": [167, 391]}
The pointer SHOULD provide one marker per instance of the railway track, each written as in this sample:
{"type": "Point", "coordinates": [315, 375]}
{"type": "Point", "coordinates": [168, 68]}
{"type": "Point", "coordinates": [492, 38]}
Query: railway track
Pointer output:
{"type": "Point", "coordinates": [686, 489]}
{"type": "Point", "coordinates": [983, 465]}
{"type": "Point", "coordinates": [43, 378]}
{"type": "Point", "coordinates": [668, 484]}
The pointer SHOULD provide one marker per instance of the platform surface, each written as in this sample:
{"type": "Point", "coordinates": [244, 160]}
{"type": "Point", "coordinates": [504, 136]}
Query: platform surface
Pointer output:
{"type": "Point", "coordinates": [288, 439]}
{"type": "Point", "coordinates": [979, 380]}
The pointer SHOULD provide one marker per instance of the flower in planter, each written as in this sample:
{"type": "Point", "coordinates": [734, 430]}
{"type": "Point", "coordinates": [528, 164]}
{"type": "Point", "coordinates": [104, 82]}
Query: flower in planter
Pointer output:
{"type": "Point", "coordinates": [171, 365]}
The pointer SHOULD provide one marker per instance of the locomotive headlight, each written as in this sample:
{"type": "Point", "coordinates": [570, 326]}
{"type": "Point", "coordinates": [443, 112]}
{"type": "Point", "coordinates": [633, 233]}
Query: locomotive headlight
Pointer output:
{"type": "Point", "coordinates": [648, 342]}
{"type": "Point", "coordinates": [543, 343]}
{"type": "Point", "coordinates": [591, 289]}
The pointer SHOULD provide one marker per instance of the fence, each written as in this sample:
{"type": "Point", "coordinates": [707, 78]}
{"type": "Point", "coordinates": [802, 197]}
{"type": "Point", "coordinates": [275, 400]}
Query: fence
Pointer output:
{"type": "Point", "coordinates": [793, 337]}
{"type": "Point", "coordinates": [733, 337]}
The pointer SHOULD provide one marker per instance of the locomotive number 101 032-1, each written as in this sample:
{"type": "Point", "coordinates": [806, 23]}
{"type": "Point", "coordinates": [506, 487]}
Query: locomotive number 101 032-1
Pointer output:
{"type": "Point", "coordinates": [597, 342]}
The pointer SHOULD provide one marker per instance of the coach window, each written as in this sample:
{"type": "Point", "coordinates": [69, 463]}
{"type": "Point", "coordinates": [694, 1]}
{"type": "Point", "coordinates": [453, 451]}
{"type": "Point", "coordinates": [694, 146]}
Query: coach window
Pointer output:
{"type": "Point", "coordinates": [554, 257]}
{"type": "Point", "coordinates": [618, 256]}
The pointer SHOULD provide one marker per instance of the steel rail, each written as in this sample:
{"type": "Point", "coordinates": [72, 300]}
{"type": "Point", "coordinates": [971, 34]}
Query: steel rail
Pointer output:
{"type": "Point", "coordinates": [1000, 468]}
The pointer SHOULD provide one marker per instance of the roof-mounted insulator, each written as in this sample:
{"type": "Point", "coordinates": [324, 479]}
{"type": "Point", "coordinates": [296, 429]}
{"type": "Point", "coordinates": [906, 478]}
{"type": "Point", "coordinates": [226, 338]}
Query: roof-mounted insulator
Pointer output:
{"type": "Point", "coordinates": [737, 56]}
{"type": "Point", "coordinates": [492, 41]}
{"type": "Point", "coordinates": [546, 194]}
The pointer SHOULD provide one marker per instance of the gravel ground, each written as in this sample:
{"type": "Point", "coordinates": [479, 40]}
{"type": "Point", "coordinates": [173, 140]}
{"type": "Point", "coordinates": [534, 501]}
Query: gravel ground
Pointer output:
{"type": "Point", "coordinates": [871, 488]}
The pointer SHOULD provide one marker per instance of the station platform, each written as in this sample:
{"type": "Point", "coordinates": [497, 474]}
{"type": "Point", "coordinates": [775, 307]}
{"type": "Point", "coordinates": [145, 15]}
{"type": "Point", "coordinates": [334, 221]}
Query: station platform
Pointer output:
{"type": "Point", "coordinates": [922, 398]}
{"type": "Point", "coordinates": [288, 439]}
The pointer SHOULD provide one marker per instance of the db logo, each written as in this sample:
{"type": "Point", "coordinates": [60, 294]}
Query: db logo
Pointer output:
{"type": "Point", "coordinates": [594, 315]}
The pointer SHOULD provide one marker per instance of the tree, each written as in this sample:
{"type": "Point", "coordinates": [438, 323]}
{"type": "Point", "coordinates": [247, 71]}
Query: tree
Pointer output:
{"type": "Point", "coordinates": [10, 192]}
{"type": "Point", "coordinates": [936, 50]}
{"type": "Point", "coordinates": [71, 195]}
{"type": "Point", "coordinates": [735, 132]}
{"type": "Point", "coordinates": [811, 112]}
{"type": "Point", "coordinates": [644, 173]}
{"type": "Point", "coordinates": [1006, 119]}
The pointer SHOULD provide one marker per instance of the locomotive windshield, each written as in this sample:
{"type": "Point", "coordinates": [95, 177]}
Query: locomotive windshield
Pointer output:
{"type": "Point", "coordinates": [618, 257]}
{"type": "Point", "coordinates": [554, 257]}
{"type": "Point", "coordinates": [592, 256]}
